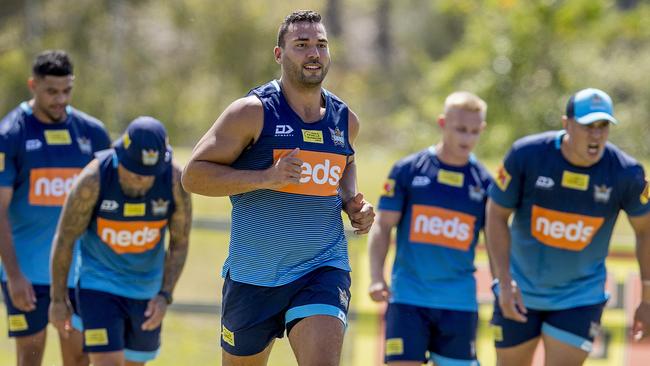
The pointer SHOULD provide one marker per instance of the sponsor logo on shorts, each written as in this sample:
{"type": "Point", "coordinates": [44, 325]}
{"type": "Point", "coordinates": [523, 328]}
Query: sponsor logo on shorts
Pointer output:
{"type": "Point", "coordinates": [576, 181]}
{"type": "Point", "coordinates": [544, 182]}
{"type": "Point", "coordinates": [33, 144]}
{"type": "Point", "coordinates": [338, 137]}
{"type": "Point", "coordinates": [503, 178]}
{"type": "Point", "coordinates": [134, 209]}
{"type": "Point", "coordinates": [344, 299]}
{"type": "Point", "coordinates": [439, 226]}
{"type": "Point", "coordinates": [50, 186]}
{"type": "Point", "coordinates": [18, 323]}
{"type": "Point", "coordinates": [388, 189]}
{"type": "Point", "coordinates": [96, 337]}
{"type": "Point", "coordinates": [645, 195]}
{"type": "Point", "coordinates": [283, 130]}
{"type": "Point", "coordinates": [563, 230]}
{"type": "Point", "coordinates": [57, 137]}
{"type": "Point", "coordinates": [130, 236]}
{"type": "Point", "coordinates": [594, 329]}
{"type": "Point", "coordinates": [497, 333]}
{"type": "Point", "coordinates": [320, 175]}
{"type": "Point", "coordinates": [394, 346]}
{"type": "Point", "coordinates": [313, 136]}
{"type": "Point", "coordinates": [602, 193]}
{"type": "Point", "coordinates": [449, 178]}
{"type": "Point", "coordinates": [227, 336]}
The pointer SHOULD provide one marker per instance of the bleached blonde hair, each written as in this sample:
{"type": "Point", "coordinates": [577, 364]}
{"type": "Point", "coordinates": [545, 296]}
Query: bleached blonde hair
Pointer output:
{"type": "Point", "coordinates": [466, 101]}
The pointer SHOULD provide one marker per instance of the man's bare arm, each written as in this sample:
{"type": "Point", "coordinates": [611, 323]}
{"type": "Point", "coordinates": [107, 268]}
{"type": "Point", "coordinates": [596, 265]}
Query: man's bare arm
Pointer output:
{"type": "Point", "coordinates": [209, 173]}
{"type": "Point", "coordinates": [641, 226]}
{"type": "Point", "coordinates": [378, 243]}
{"type": "Point", "coordinates": [74, 219]}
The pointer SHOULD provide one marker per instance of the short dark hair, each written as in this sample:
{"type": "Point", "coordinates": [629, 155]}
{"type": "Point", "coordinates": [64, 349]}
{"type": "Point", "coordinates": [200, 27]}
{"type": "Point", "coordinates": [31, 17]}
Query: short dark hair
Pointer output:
{"type": "Point", "coordinates": [295, 17]}
{"type": "Point", "coordinates": [52, 62]}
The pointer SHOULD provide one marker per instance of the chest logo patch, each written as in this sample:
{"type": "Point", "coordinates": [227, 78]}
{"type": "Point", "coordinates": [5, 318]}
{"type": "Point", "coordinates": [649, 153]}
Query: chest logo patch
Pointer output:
{"type": "Point", "coordinates": [450, 178]}
{"type": "Point", "coordinates": [2, 162]}
{"type": "Point", "coordinates": [33, 144]}
{"type": "Point", "coordinates": [338, 137]}
{"type": "Point", "coordinates": [313, 136]}
{"type": "Point", "coordinates": [442, 227]}
{"type": "Point", "coordinates": [50, 186]}
{"type": "Point", "coordinates": [420, 181]}
{"type": "Point", "coordinates": [109, 206]}
{"type": "Point", "coordinates": [85, 145]}
{"type": "Point", "coordinates": [476, 193]}
{"type": "Point", "coordinates": [563, 230]}
{"type": "Point", "coordinates": [602, 193]}
{"type": "Point", "coordinates": [544, 182]}
{"type": "Point", "coordinates": [283, 130]}
{"type": "Point", "coordinates": [134, 209]}
{"type": "Point", "coordinates": [130, 236]}
{"type": "Point", "coordinates": [57, 137]}
{"type": "Point", "coordinates": [575, 181]}
{"type": "Point", "coordinates": [320, 174]}
{"type": "Point", "coordinates": [159, 207]}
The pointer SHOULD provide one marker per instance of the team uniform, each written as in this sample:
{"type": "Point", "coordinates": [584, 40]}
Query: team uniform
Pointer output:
{"type": "Point", "coordinates": [122, 255]}
{"type": "Point", "coordinates": [287, 248]}
{"type": "Point", "coordinates": [562, 225]}
{"type": "Point", "coordinates": [433, 306]}
{"type": "Point", "coordinates": [40, 162]}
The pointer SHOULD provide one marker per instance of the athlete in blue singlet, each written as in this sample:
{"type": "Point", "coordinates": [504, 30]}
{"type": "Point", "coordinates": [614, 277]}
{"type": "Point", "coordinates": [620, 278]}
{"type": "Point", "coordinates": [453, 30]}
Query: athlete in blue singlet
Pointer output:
{"type": "Point", "coordinates": [44, 144]}
{"type": "Point", "coordinates": [565, 189]}
{"type": "Point", "coordinates": [436, 199]}
{"type": "Point", "coordinates": [284, 155]}
{"type": "Point", "coordinates": [121, 207]}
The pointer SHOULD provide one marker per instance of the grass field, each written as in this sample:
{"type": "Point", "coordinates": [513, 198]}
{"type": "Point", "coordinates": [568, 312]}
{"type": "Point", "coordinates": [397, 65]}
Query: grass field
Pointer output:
{"type": "Point", "coordinates": [193, 338]}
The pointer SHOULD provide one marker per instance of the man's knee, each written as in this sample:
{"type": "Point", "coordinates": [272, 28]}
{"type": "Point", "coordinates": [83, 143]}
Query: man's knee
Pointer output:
{"type": "Point", "coordinates": [30, 349]}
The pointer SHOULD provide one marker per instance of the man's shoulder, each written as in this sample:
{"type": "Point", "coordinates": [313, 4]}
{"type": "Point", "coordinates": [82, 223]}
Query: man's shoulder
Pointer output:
{"type": "Point", "coordinates": [533, 144]}
{"type": "Point", "coordinates": [620, 161]}
{"type": "Point", "coordinates": [12, 122]}
{"type": "Point", "coordinates": [86, 119]}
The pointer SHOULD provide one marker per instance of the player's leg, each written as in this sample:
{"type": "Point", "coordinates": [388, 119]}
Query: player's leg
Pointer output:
{"type": "Point", "coordinates": [251, 318]}
{"type": "Point", "coordinates": [317, 317]}
{"type": "Point", "coordinates": [454, 341]}
{"type": "Point", "coordinates": [104, 322]}
{"type": "Point", "coordinates": [516, 342]}
{"type": "Point", "coordinates": [569, 334]}
{"type": "Point", "coordinates": [115, 358]}
{"type": "Point", "coordinates": [72, 352]}
{"type": "Point", "coordinates": [140, 346]}
{"type": "Point", "coordinates": [28, 328]}
{"type": "Point", "coordinates": [407, 335]}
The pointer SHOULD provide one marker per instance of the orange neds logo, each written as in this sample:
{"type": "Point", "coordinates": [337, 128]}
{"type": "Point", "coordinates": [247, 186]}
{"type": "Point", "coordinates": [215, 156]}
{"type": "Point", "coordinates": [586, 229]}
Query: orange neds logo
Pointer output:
{"type": "Point", "coordinates": [130, 236]}
{"type": "Point", "coordinates": [439, 226]}
{"type": "Point", "coordinates": [320, 174]}
{"type": "Point", "coordinates": [563, 230]}
{"type": "Point", "coordinates": [50, 186]}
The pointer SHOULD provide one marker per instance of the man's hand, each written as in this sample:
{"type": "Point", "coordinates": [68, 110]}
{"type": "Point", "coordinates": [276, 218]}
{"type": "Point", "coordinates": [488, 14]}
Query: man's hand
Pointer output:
{"type": "Point", "coordinates": [641, 324]}
{"type": "Point", "coordinates": [511, 302]}
{"type": "Point", "coordinates": [360, 212]}
{"type": "Point", "coordinates": [285, 171]}
{"type": "Point", "coordinates": [21, 293]}
{"type": "Point", "coordinates": [60, 313]}
{"type": "Point", "coordinates": [379, 291]}
{"type": "Point", "coordinates": [156, 309]}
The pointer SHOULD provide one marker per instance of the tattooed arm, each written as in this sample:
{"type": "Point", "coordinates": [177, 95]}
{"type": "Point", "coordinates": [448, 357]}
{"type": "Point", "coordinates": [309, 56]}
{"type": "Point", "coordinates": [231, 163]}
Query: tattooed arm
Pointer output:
{"type": "Point", "coordinates": [179, 232]}
{"type": "Point", "coordinates": [74, 219]}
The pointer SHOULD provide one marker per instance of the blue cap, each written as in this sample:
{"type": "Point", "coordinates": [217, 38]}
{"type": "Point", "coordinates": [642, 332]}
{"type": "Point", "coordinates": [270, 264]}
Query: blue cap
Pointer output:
{"type": "Point", "coordinates": [143, 149]}
{"type": "Point", "coordinates": [590, 105]}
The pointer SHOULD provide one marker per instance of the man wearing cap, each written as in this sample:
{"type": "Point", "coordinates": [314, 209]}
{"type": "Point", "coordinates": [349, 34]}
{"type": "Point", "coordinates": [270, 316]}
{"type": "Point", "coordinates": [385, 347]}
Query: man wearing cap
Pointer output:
{"type": "Point", "coordinates": [121, 206]}
{"type": "Point", "coordinates": [565, 189]}
{"type": "Point", "coordinates": [44, 145]}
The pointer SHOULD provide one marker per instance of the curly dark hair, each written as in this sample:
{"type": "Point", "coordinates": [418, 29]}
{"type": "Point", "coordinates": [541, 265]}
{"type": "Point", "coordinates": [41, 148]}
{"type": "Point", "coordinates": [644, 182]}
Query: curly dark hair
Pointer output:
{"type": "Point", "coordinates": [295, 17]}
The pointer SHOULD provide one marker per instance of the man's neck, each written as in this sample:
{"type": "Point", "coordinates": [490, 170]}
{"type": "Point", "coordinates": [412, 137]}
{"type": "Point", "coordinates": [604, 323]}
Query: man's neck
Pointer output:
{"type": "Point", "coordinates": [306, 102]}
{"type": "Point", "coordinates": [446, 156]}
{"type": "Point", "coordinates": [42, 116]}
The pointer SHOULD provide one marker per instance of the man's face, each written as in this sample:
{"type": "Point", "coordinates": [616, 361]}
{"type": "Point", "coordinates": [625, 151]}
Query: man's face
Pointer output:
{"type": "Point", "coordinates": [586, 142]}
{"type": "Point", "coordinates": [305, 57]}
{"type": "Point", "coordinates": [134, 185]}
{"type": "Point", "coordinates": [51, 96]}
{"type": "Point", "coordinates": [461, 129]}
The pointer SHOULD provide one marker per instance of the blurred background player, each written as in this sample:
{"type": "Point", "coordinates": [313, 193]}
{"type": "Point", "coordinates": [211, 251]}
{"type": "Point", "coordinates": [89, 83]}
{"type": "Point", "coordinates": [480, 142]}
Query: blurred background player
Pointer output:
{"type": "Point", "coordinates": [284, 154]}
{"type": "Point", "coordinates": [44, 144]}
{"type": "Point", "coordinates": [436, 199]}
{"type": "Point", "coordinates": [565, 189]}
{"type": "Point", "coordinates": [121, 207]}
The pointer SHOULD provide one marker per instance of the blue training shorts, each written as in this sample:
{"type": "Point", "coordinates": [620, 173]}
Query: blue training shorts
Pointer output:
{"type": "Point", "coordinates": [416, 333]}
{"type": "Point", "coordinates": [252, 316]}
{"type": "Point", "coordinates": [113, 323]}
{"type": "Point", "coordinates": [574, 326]}
{"type": "Point", "coordinates": [29, 323]}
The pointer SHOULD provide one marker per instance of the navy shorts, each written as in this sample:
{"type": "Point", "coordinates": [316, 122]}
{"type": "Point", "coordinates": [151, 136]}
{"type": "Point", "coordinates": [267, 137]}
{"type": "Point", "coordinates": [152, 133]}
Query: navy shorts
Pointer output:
{"type": "Point", "coordinates": [252, 316]}
{"type": "Point", "coordinates": [575, 326]}
{"type": "Point", "coordinates": [416, 333]}
{"type": "Point", "coordinates": [113, 323]}
{"type": "Point", "coordinates": [29, 323]}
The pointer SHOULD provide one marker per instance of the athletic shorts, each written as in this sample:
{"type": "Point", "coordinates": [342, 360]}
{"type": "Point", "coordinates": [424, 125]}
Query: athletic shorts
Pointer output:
{"type": "Point", "coordinates": [574, 326]}
{"type": "Point", "coordinates": [29, 323]}
{"type": "Point", "coordinates": [252, 316]}
{"type": "Point", "coordinates": [114, 323]}
{"type": "Point", "coordinates": [416, 333]}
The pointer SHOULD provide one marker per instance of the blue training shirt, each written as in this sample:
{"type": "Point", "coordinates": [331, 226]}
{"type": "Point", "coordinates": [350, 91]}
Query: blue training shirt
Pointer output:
{"type": "Point", "coordinates": [40, 162]}
{"type": "Point", "coordinates": [443, 211]}
{"type": "Point", "coordinates": [279, 235]}
{"type": "Point", "coordinates": [563, 218]}
{"type": "Point", "coordinates": [123, 249]}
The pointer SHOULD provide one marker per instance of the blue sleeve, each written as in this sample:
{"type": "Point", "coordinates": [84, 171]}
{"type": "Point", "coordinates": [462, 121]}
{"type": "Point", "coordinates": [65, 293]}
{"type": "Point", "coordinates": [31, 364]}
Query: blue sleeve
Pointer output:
{"type": "Point", "coordinates": [394, 191]}
{"type": "Point", "coordinates": [636, 192]}
{"type": "Point", "coordinates": [101, 139]}
{"type": "Point", "coordinates": [8, 150]}
{"type": "Point", "coordinates": [507, 187]}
